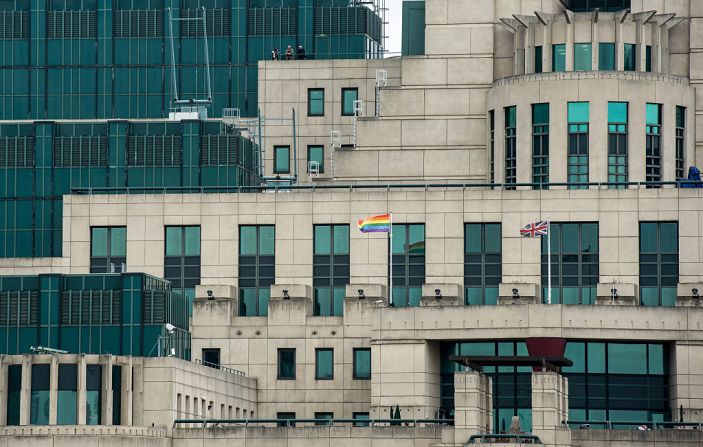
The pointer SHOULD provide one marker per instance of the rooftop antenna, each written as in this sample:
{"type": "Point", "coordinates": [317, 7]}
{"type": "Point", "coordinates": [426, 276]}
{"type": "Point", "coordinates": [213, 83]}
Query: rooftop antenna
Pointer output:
{"type": "Point", "coordinates": [189, 108]}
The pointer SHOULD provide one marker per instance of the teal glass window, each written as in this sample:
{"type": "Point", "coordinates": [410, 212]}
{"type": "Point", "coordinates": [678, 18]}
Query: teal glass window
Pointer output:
{"type": "Point", "coordinates": [606, 56]}
{"type": "Point", "coordinates": [659, 263]}
{"type": "Point", "coordinates": [257, 268]}
{"type": "Point", "coordinates": [66, 406]}
{"type": "Point", "coordinates": [330, 269]}
{"type": "Point", "coordinates": [349, 95]}
{"type": "Point", "coordinates": [93, 394]}
{"type": "Point", "coordinates": [540, 146]}
{"type": "Point", "coordinates": [583, 57]}
{"type": "Point", "coordinates": [362, 418]}
{"type": "Point", "coordinates": [316, 102]}
{"type": "Point", "coordinates": [574, 249]}
{"type": "Point", "coordinates": [408, 244]}
{"type": "Point", "coordinates": [317, 154]}
{"type": "Point", "coordinates": [630, 54]}
{"type": "Point", "coordinates": [617, 145]}
{"type": "Point", "coordinates": [559, 57]}
{"type": "Point", "coordinates": [653, 155]}
{"type": "Point", "coordinates": [492, 130]}
{"type": "Point", "coordinates": [510, 146]}
{"type": "Point", "coordinates": [116, 394]}
{"type": "Point", "coordinates": [578, 135]}
{"type": "Point", "coordinates": [482, 263]}
{"type": "Point", "coordinates": [285, 418]}
{"type": "Point", "coordinates": [39, 403]}
{"type": "Point", "coordinates": [648, 58]}
{"type": "Point", "coordinates": [322, 417]}
{"type": "Point", "coordinates": [324, 364]}
{"type": "Point", "coordinates": [538, 59]}
{"type": "Point", "coordinates": [680, 142]}
{"type": "Point", "coordinates": [602, 5]}
{"type": "Point", "coordinates": [286, 364]}
{"type": "Point", "coordinates": [281, 159]}
{"type": "Point", "coordinates": [362, 363]}
{"type": "Point", "coordinates": [108, 249]}
{"type": "Point", "coordinates": [14, 391]}
{"type": "Point", "coordinates": [182, 260]}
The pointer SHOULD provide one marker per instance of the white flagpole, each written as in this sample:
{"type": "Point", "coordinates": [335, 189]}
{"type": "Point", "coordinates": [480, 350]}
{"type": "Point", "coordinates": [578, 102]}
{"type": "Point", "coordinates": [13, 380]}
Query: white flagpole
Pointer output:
{"type": "Point", "coordinates": [549, 261]}
{"type": "Point", "coordinates": [390, 261]}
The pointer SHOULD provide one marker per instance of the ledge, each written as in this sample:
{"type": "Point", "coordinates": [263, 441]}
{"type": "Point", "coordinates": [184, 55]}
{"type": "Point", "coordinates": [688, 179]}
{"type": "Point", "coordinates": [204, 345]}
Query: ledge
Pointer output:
{"type": "Point", "coordinates": [592, 75]}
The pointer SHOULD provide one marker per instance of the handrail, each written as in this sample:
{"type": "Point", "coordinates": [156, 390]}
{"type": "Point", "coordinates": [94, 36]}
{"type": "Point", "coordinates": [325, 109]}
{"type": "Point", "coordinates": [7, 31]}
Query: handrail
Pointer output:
{"type": "Point", "coordinates": [523, 438]}
{"type": "Point", "coordinates": [659, 425]}
{"type": "Point", "coordinates": [351, 187]}
{"type": "Point", "coordinates": [220, 367]}
{"type": "Point", "coordinates": [318, 422]}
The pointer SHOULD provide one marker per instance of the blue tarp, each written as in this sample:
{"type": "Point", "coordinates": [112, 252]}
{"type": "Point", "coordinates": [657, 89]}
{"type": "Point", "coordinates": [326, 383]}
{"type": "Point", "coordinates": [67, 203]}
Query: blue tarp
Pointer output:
{"type": "Point", "coordinates": [694, 175]}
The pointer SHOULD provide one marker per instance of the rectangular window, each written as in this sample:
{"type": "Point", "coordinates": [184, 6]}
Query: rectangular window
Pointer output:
{"type": "Point", "coordinates": [316, 158]}
{"type": "Point", "coordinates": [538, 59]}
{"type": "Point", "coordinates": [66, 407]}
{"type": "Point", "coordinates": [617, 144]}
{"type": "Point", "coordinates": [285, 418]}
{"type": "Point", "coordinates": [39, 404]}
{"type": "Point", "coordinates": [583, 57]}
{"type": "Point", "coordinates": [659, 263]}
{"type": "Point", "coordinates": [540, 145]}
{"type": "Point", "coordinates": [482, 263]}
{"type": "Point", "coordinates": [362, 418]}
{"type": "Point", "coordinates": [14, 391]}
{"type": "Point", "coordinates": [330, 269]}
{"type": "Point", "coordinates": [93, 394]}
{"type": "Point", "coordinates": [648, 58]}
{"type": "Point", "coordinates": [211, 357]}
{"type": "Point", "coordinates": [323, 417]}
{"type": "Point", "coordinates": [281, 159]}
{"type": "Point", "coordinates": [408, 243]}
{"type": "Point", "coordinates": [257, 268]}
{"type": "Point", "coordinates": [182, 260]}
{"type": "Point", "coordinates": [559, 57]}
{"type": "Point", "coordinates": [653, 151]}
{"type": "Point", "coordinates": [108, 249]}
{"type": "Point", "coordinates": [510, 146]}
{"type": "Point", "coordinates": [680, 142]}
{"type": "Point", "coordinates": [630, 57]}
{"type": "Point", "coordinates": [362, 363]}
{"type": "Point", "coordinates": [492, 161]}
{"type": "Point", "coordinates": [349, 95]}
{"type": "Point", "coordinates": [286, 364]}
{"type": "Point", "coordinates": [316, 102]}
{"type": "Point", "coordinates": [574, 263]}
{"type": "Point", "coordinates": [116, 395]}
{"type": "Point", "coordinates": [578, 116]}
{"type": "Point", "coordinates": [606, 56]}
{"type": "Point", "coordinates": [324, 364]}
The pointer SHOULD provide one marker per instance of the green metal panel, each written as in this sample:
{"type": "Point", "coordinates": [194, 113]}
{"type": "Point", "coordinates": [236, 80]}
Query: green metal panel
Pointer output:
{"type": "Point", "coordinates": [413, 34]}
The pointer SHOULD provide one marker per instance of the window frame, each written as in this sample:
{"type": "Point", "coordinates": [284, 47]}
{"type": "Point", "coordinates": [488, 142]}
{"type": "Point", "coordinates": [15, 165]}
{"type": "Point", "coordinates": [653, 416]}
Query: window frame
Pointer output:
{"type": "Point", "coordinates": [540, 149]}
{"type": "Point", "coordinates": [184, 262]}
{"type": "Point", "coordinates": [653, 146]}
{"type": "Point", "coordinates": [345, 111]}
{"type": "Point", "coordinates": [318, 351]}
{"type": "Point", "coordinates": [559, 64]}
{"type": "Point", "coordinates": [482, 259]}
{"type": "Point", "coordinates": [355, 373]}
{"type": "Point", "coordinates": [279, 364]}
{"type": "Point", "coordinates": [404, 262]}
{"type": "Point", "coordinates": [577, 158]}
{"type": "Point", "coordinates": [337, 264]}
{"type": "Point", "coordinates": [510, 146]}
{"type": "Point", "coordinates": [109, 262]}
{"type": "Point", "coordinates": [277, 149]}
{"type": "Point", "coordinates": [618, 153]}
{"type": "Point", "coordinates": [312, 100]}
{"type": "Point", "coordinates": [680, 142]}
{"type": "Point", "coordinates": [321, 163]}
{"type": "Point", "coordinates": [578, 47]}
{"type": "Point", "coordinates": [255, 262]}
{"type": "Point", "coordinates": [662, 259]}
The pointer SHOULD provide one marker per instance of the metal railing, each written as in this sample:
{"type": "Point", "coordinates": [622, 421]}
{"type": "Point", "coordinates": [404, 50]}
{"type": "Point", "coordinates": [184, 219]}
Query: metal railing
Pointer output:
{"type": "Point", "coordinates": [648, 425]}
{"type": "Point", "coordinates": [220, 367]}
{"type": "Point", "coordinates": [316, 422]}
{"type": "Point", "coordinates": [520, 438]}
{"type": "Point", "coordinates": [377, 186]}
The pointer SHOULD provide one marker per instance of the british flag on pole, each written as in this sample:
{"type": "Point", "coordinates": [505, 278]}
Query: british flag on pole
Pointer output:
{"type": "Point", "coordinates": [535, 229]}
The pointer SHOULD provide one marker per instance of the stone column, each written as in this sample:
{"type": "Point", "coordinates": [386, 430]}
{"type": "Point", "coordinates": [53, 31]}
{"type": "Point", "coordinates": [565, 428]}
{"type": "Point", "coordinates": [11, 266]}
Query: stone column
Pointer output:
{"type": "Point", "coordinates": [53, 389]}
{"type": "Point", "coordinates": [81, 391]}
{"type": "Point", "coordinates": [106, 389]}
{"type": "Point", "coordinates": [3, 390]}
{"type": "Point", "coordinates": [26, 393]}
{"type": "Point", "coordinates": [550, 404]}
{"type": "Point", "coordinates": [127, 392]}
{"type": "Point", "coordinates": [685, 375]}
{"type": "Point", "coordinates": [473, 405]}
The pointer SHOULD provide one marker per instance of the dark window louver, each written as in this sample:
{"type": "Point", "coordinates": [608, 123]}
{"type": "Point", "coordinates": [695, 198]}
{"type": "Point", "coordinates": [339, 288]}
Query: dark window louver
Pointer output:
{"type": "Point", "coordinates": [19, 308]}
{"type": "Point", "coordinates": [80, 151]}
{"type": "Point", "coordinates": [218, 22]}
{"type": "Point", "coordinates": [154, 306]}
{"type": "Point", "coordinates": [154, 150]}
{"type": "Point", "coordinates": [71, 24]}
{"type": "Point", "coordinates": [16, 152]}
{"type": "Point", "coordinates": [91, 307]}
{"type": "Point", "coordinates": [14, 24]}
{"type": "Point", "coordinates": [138, 23]}
{"type": "Point", "coordinates": [346, 20]}
{"type": "Point", "coordinates": [273, 21]}
{"type": "Point", "coordinates": [219, 150]}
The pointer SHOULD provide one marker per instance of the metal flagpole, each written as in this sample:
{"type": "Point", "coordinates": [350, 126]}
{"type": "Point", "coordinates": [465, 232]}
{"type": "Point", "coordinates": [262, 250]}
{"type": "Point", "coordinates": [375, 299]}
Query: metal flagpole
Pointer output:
{"type": "Point", "coordinates": [549, 261]}
{"type": "Point", "coordinates": [390, 260]}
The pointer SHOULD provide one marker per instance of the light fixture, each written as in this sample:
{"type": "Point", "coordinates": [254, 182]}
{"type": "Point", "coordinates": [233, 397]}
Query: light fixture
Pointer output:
{"type": "Point", "coordinates": [516, 295]}
{"type": "Point", "coordinates": [285, 295]}
{"type": "Point", "coordinates": [361, 294]}
{"type": "Point", "coordinates": [170, 328]}
{"type": "Point", "coordinates": [438, 294]}
{"type": "Point", "coordinates": [695, 294]}
{"type": "Point", "coordinates": [614, 293]}
{"type": "Point", "coordinates": [210, 295]}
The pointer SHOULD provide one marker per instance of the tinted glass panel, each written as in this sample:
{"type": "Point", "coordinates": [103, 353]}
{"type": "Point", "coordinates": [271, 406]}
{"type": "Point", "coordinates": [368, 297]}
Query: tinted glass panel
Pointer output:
{"type": "Point", "coordinates": [582, 57]}
{"type": "Point", "coordinates": [324, 364]}
{"type": "Point", "coordinates": [362, 363]}
{"type": "Point", "coordinates": [559, 57]}
{"type": "Point", "coordinates": [606, 56]}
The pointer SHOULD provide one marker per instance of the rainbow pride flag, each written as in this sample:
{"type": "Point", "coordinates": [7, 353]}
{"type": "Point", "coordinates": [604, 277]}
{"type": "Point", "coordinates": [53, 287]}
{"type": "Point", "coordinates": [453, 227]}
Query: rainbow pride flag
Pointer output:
{"type": "Point", "coordinates": [376, 224]}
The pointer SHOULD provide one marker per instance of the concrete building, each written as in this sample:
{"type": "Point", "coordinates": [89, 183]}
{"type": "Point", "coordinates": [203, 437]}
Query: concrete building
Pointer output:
{"type": "Point", "coordinates": [582, 113]}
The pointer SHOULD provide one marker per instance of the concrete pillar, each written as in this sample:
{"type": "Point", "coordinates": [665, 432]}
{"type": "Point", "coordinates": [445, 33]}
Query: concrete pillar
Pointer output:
{"type": "Point", "coordinates": [550, 404]}
{"type": "Point", "coordinates": [473, 405]}
{"type": "Point", "coordinates": [81, 392]}
{"type": "Point", "coordinates": [53, 389]}
{"type": "Point", "coordinates": [684, 380]}
{"type": "Point", "coordinates": [26, 393]}
{"type": "Point", "coordinates": [107, 404]}
{"type": "Point", "coordinates": [127, 392]}
{"type": "Point", "coordinates": [3, 391]}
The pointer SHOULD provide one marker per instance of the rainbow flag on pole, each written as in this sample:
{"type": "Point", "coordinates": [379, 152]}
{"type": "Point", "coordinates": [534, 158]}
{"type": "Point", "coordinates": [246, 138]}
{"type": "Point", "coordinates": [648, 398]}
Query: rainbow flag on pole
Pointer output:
{"type": "Point", "coordinates": [376, 224]}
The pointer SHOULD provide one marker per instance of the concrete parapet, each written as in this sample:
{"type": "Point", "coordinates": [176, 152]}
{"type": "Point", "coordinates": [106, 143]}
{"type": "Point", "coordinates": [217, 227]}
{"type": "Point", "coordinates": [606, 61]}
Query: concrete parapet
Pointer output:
{"type": "Point", "coordinates": [473, 404]}
{"type": "Point", "coordinates": [689, 294]}
{"type": "Point", "coordinates": [442, 295]}
{"type": "Point", "coordinates": [369, 292]}
{"type": "Point", "coordinates": [527, 293]}
{"type": "Point", "coordinates": [290, 304]}
{"type": "Point", "coordinates": [626, 294]}
{"type": "Point", "coordinates": [550, 404]}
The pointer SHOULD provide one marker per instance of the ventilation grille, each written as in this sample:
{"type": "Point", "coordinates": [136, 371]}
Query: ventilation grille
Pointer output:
{"type": "Point", "coordinates": [219, 150]}
{"type": "Point", "coordinates": [91, 307]}
{"type": "Point", "coordinates": [19, 308]}
{"type": "Point", "coordinates": [218, 21]}
{"type": "Point", "coordinates": [16, 152]}
{"type": "Point", "coordinates": [154, 306]}
{"type": "Point", "coordinates": [154, 150]}
{"type": "Point", "coordinates": [346, 20]}
{"type": "Point", "coordinates": [14, 24]}
{"type": "Point", "coordinates": [138, 23]}
{"type": "Point", "coordinates": [273, 21]}
{"type": "Point", "coordinates": [71, 24]}
{"type": "Point", "coordinates": [80, 151]}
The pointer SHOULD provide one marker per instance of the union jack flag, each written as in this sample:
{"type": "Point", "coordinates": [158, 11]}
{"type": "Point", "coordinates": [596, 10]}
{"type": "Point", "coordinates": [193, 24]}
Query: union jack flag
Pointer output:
{"type": "Point", "coordinates": [535, 229]}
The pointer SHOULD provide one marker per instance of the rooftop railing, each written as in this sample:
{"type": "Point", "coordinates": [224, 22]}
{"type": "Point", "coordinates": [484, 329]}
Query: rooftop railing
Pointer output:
{"type": "Point", "coordinates": [647, 425]}
{"type": "Point", "coordinates": [315, 422]}
{"type": "Point", "coordinates": [522, 438]}
{"type": "Point", "coordinates": [220, 367]}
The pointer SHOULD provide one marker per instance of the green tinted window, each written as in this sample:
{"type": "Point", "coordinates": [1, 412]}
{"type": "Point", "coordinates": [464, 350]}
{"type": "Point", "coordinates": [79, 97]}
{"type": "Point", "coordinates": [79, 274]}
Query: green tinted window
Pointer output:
{"type": "Point", "coordinates": [67, 408]}
{"type": "Point", "coordinates": [630, 56]}
{"type": "Point", "coordinates": [362, 363]}
{"type": "Point", "coordinates": [416, 238]}
{"type": "Point", "coordinates": [559, 57]}
{"type": "Point", "coordinates": [540, 114]}
{"type": "Point", "coordinates": [118, 241]}
{"type": "Point", "coordinates": [322, 239]}
{"type": "Point", "coordinates": [267, 240]}
{"type": "Point", "coordinates": [627, 358]}
{"type": "Point", "coordinates": [617, 112]}
{"type": "Point", "coordinates": [316, 102]}
{"type": "Point", "coordinates": [174, 241]}
{"type": "Point", "coordinates": [648, 58]}
{"type": "Point", "coordinates": [669, 237]}
{"type": "Point", "coordinates": [317, 154]}
{"type": "Point", "coordinates": [654, 114]}
{"type": "Point", "coordinates": [98, 242]}
{"type": "Point", "coordinates": [247, 240]}
{"type": "Point", "coordinates": [281, 159]}
{"type": "Point", "coordinates": [538, 59]}
{"type": "Point", "coordinates": [474, 238]}
{"type": "Point", "coordinates": [286, 364]}
{"type": "Point", "coordinates": [606, 56]}
{"type": "Point", "coordinates": [349, 95]}
{"type": "Point", "coordinates": [578, 112]}
{"type": "Point", "coordinates": [192, 241]}
{"type": "Point", "coordinates": [510, 116]}
{"type": "Point", "coordinates": [324, 364]}
{"type": "Point", "coordinates": [656, 359]}
{"type": "Point", "coordinates": [576, 352]}
{"type": "Point", "coordinates": [341, 239]}
{"type": "Point", "coordinates": [596, 358]}
{"type": "Point", "coordinates": [582, 57]}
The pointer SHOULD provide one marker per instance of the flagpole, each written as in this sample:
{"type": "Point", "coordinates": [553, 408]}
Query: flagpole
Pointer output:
{"type": "Point", "coordinates": [549, 261]}
{"type": "Point", "coordinates": [390, 261]}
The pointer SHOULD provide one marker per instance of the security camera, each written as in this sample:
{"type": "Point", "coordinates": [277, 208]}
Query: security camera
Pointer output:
{"type": "Point", "coordinates": [170, 328]}
{"type": "Point", "coordinates": [210, 295]}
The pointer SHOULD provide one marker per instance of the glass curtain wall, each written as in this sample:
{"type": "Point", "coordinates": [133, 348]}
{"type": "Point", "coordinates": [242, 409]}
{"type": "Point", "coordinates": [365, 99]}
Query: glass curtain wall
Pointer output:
{"type": "Point", "coordinates": [510, 146]}
{"type": "Point", "coordinates": [182, 260]}
{"type": "Point", "coordinates": [330, 269]}
{"type": "Point", "coordinates": [578, 117]}
{"type": "Point", "coordinates": [257, 268]}
{"type": "Point", "coordinates": [408, 243]}
{"type": "Point", "coordinates": [653, 144]}
{"type": "Point", "coordinates": [617, 145]}
{"type": "Point", "coordinates": [540, 146]}
{"type": "Point", "coordinates": [482, 263]}
{"type": "Point", "coordinates": [659, 263]}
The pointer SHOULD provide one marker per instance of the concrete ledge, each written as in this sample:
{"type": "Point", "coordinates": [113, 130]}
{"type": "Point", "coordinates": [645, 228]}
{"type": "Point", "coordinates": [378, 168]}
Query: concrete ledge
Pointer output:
{"type": "Point", "coordinates": [528, 293]}
{"type": "Point", "coordinates": [627, 294]}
